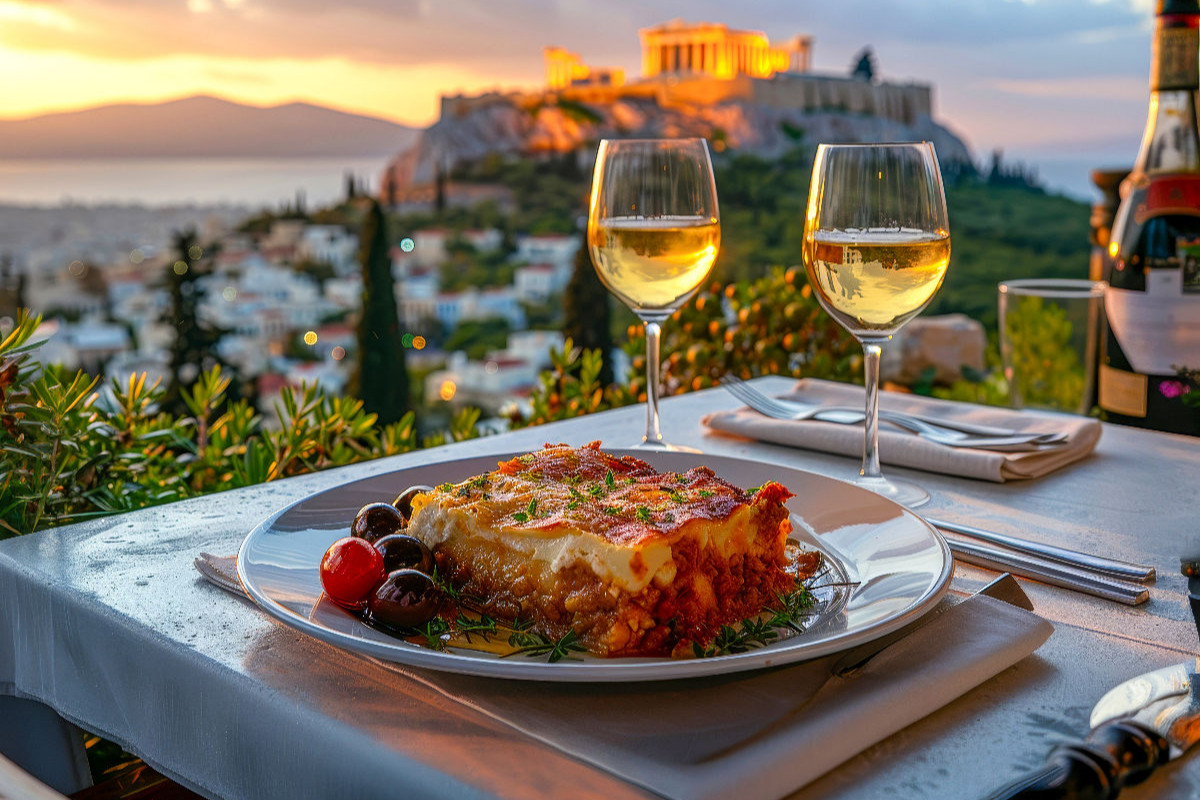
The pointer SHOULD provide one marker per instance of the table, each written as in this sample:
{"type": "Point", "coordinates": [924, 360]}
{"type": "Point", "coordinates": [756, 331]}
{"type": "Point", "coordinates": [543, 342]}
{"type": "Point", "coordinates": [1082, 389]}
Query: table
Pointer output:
{"type": "Point", "coordinates": [132, 576]}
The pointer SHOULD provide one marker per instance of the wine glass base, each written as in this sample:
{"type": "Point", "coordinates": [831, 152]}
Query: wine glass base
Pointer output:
{"type": "Point", "coordinates": [662, 447]}
{"type": "Point", "coordinates": [907, 494]}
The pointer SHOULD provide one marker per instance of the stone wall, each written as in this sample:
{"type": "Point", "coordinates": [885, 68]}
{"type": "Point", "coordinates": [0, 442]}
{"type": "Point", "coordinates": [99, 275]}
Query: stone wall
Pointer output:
{"type": "Point", "coordinates": [905, 103]}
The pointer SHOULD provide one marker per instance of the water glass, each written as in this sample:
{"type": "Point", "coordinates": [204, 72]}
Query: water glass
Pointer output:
{"type": "Point", "coordinates": [1049, 331]}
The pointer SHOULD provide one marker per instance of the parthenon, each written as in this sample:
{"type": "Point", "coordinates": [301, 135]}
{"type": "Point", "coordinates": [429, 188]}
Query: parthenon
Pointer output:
{"type": "Point", "coordinates": [714, 49]}
{"type": "Point", "coordinates": [703, 64]}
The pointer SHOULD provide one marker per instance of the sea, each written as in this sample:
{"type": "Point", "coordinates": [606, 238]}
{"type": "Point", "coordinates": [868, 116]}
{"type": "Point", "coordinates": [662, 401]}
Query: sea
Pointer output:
{"type": "Point", "coordinates": [163, 182]}
{"type": "Point", "coordinates": [258, 183]}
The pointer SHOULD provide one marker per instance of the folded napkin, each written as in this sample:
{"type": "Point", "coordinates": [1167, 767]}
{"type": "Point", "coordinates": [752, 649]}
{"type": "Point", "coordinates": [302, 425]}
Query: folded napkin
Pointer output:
{"type": "Point", "coordinates": [908, 450]}
{"type": "Point", "coordinates": [753, 735]}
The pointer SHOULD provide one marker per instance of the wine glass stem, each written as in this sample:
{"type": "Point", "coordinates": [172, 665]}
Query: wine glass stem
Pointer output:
{"type": "Point", "coordinates": [653, 335]}
{"type": "Point", "coordinates": [872, 350]}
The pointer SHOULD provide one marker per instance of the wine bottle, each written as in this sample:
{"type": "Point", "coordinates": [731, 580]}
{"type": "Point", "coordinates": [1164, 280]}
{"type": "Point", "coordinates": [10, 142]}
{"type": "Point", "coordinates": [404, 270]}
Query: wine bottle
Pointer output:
{"type": "Point", "coordinates": [1153, 303]}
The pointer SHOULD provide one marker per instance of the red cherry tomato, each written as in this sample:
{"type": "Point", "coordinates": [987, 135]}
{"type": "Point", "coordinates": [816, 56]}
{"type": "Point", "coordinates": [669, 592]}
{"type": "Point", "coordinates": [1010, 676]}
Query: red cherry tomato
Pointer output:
{"type": "Point", "coordinates": [350, 571]}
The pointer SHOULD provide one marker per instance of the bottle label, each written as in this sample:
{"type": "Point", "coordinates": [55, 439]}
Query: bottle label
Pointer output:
{"type": "Point", "coordinates": [1159, 329]}
{"type": "Point", "coordinates": [1169, 194]}
{"type": "Point", "coordinates": [1176, 47]}
{"type": "Point", "coordinates": [1123, 392]}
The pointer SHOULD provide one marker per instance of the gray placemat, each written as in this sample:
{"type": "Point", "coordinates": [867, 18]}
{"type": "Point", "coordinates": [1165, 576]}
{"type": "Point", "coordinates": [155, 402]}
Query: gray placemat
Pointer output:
{"type": "Point", "coordinates": [755, 735]}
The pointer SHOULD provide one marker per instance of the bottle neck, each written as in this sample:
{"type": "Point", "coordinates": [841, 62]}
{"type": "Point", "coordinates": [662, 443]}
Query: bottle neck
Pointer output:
{"type": "Point", "coordinates": [1171, 142]}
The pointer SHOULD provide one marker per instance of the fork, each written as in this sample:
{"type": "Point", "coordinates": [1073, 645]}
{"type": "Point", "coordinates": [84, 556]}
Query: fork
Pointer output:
{"type": "Point", "coordinates": [952, 434]}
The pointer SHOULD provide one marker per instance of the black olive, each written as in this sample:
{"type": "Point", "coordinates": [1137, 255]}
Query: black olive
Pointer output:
{"type": "Point", "coordinates": [376, 520]}
{"type": "Point", "coordinates": [406, 599]}
{"type": "Point", "coordinates": [403, 501]}
{"type": "Point", "coordinates": [401, 551]}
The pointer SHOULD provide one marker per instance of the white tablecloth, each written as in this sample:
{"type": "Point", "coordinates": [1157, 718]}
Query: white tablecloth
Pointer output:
{"type": "Point", "coordinates": [232, 704]}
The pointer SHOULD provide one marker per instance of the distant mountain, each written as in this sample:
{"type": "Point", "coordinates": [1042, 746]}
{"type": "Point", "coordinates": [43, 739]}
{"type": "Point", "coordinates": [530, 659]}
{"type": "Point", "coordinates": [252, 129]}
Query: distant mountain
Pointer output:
{"type": "Point", "coordinates": [202, 126]}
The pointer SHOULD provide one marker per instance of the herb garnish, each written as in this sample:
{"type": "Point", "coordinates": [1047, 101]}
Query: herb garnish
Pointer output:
{"type": "Point", "coordinates": [483, 625]}
{"type": "Point", "coordinates": [794, 607]}
{"type": "Point", "coordinates": [434, 630]}
{"type": "Point", "coordinates": [532, 643]}
{"type": "Point", "coordinates": [608, 480]}
{"type": "Point", "coordinates": [529, 513]}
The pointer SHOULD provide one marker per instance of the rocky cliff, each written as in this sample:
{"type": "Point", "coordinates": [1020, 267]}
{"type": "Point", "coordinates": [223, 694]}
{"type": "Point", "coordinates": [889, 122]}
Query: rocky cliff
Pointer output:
{"type": "Point", "coordinates": [509, 125]}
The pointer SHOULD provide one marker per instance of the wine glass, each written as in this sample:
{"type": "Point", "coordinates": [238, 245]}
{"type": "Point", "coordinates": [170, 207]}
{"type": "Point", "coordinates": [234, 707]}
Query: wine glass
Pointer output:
{"type": "Point", "coordinates": [653, 234]}
{"type": "Point", "coordinates": [876, 248]}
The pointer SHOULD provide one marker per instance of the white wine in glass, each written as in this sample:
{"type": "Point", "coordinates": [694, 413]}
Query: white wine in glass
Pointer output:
{"type": "Point", "coordinates": [876, 249]}
{"type": "Point", "coordinates": [653, 233]}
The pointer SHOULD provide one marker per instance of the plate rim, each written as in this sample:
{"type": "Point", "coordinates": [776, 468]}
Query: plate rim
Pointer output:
{"type": "Point", "coordinates": [598, 670]}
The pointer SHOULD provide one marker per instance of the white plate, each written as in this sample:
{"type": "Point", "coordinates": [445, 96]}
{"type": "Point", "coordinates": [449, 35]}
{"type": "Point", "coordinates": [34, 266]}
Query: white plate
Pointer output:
{"type": "Point", "coordinates": [898, 566]}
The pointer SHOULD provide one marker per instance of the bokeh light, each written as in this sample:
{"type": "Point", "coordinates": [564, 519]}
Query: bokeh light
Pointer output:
{"type": "Point", "coordinates": [229, 293]}
{"type": "Point", "coordinates": [310, 338]}
{"type": "Point", "coordinates": [136, 256]}
{"type": "Point", "coordinates": [448, 390]}
{"type": "Point", "coordinates": [406, 340]}
{"type": "Point", "coordinates": [418, 342]}
{"type": "Point", "coordinates": [407, 244]}
{"type": "Point", "coordinates": [338, 353]}
{"type": "Point", "coordinates": [180, 267]}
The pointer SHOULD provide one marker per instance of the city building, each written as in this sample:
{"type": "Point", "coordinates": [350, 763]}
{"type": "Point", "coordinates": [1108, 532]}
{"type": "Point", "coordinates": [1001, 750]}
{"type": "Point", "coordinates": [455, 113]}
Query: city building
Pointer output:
{"type": "Point", "coordinates": [330, 244]}
{"type": "Point", "coordinates": [494, 383]}
{"type": "Point", "coordinates": [537, 283]}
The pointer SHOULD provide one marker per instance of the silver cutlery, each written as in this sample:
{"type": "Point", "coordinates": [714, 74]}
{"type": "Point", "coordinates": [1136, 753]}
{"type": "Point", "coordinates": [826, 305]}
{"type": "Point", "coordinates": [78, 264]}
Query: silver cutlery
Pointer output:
{"type": "Point", "coordinates": [1110, 567]}
{"type": "Point", "coordinates": [937, 430]}
{"type": "Point", "coordinates": [1053, 572]}
{"type": "Point", "coordinates": [745, 392]}
{"type": "Point", "coordinates": [1137, 727]}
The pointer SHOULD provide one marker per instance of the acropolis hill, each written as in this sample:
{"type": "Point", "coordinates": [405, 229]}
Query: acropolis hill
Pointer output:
{"type": "Point", "coordinates": [732, 87]}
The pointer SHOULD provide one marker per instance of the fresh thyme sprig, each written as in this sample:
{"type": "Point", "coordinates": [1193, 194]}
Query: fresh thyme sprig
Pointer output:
{"type": "Point", "coordinates": [481, 625]}
{"type": "Point", "coordinates": [532, 643]}
{"type": "Point", "coordinates": [434, 632]}
{"type": "Point", "coordinates": [793, 609]}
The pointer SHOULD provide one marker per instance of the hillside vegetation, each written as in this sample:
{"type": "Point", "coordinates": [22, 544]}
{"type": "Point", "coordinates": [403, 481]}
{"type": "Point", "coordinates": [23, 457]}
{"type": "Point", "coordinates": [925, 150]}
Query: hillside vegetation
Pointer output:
{"type": "Point", "coordinates": [999, 230]}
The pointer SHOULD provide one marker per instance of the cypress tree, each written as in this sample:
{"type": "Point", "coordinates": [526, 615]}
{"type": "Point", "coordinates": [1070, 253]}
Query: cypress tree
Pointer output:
{"type": "Point", "coordinates": [586, 311]}
{"type": "Point", "coordinates": [381, 379]}
{"type": "Point", "coordinates": [194, 348]}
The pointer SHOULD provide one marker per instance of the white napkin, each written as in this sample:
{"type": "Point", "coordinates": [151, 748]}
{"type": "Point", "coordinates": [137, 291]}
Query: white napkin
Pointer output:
{"type": "Point", "coordinates": [754, 735]}
{"type": "Point", "coordinates": [907, 450]}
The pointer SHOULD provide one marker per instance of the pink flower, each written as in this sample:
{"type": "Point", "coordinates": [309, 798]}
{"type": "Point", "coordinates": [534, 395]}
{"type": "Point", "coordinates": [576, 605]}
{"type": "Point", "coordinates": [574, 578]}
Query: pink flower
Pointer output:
{"type": "Point", "coordinates": [1172, 389]}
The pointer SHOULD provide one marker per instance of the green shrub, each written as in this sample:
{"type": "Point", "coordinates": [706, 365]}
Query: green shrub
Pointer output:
{"type": "Point", "coordinates": [69, 451]}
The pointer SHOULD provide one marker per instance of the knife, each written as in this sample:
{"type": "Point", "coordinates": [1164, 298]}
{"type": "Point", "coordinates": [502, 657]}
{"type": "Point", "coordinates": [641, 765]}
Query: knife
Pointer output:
{"type": "Point", "coordinates": [1138, 726]}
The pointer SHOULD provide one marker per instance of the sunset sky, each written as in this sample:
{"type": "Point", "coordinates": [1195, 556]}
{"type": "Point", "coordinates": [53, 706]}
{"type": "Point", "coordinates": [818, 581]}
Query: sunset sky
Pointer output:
{"type": "Point", "coordinates": [1032, 76]}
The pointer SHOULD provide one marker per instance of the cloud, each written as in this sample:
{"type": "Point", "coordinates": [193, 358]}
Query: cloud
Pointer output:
{"type": "Point", "coordinates": [483, 34]}
{"type": "Point", "coordinates": [400, 32]}
{"type": "Point", "coordinates": [993, 62]}
{"type": "Point", "coordinates": [1119, 87]}
{"type": "Point", "coordinates": [234, 76]}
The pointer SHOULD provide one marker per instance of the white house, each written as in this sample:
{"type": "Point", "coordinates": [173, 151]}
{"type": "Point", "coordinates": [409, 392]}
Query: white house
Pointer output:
{"type": "Point", "coordinates": [555, 249]}
{"type": "Point", "coordinates": [331, 244]}
{"type": "Point", "coordinates": [451, 308]}
{"type": "Point", "coordinates": [537, 283]}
